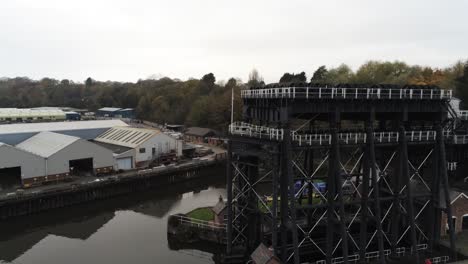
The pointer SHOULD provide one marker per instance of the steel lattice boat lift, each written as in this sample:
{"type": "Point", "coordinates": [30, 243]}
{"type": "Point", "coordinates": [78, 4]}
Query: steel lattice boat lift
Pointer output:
{"type": "Point", "coordinates": [340, 174]}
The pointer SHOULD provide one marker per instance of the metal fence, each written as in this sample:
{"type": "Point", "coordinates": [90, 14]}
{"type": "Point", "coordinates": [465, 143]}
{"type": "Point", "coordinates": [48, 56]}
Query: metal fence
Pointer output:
{"type": "Point", "coordinates": [277, 134]}
{"type": "Point", "coordinates": [348, 93]}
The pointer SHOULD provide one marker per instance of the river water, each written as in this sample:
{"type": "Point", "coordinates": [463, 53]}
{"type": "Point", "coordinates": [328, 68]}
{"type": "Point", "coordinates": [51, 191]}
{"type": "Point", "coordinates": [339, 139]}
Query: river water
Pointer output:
{"type": "Point", "coordinates": [128, 229]}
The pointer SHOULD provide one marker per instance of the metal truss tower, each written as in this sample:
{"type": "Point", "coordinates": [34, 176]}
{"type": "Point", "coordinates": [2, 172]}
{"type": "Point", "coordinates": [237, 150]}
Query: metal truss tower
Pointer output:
{"type": "Point", "coordinates": [346, 174]}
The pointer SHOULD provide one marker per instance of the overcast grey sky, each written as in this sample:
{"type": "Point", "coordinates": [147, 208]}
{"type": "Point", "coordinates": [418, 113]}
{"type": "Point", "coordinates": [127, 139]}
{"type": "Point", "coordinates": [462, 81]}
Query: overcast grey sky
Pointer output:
{"type": "Point", "coordinates": [125, 40]}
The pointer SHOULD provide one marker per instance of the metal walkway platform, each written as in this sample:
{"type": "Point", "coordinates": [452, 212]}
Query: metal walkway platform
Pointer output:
{"type": "Point", "coordinates": [348, 93]}
{"type": "Point", "coordinates": [276, 134]}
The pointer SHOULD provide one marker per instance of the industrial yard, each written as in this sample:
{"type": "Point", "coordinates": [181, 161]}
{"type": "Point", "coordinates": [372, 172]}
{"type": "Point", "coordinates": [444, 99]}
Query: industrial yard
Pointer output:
{"type": "Point", "coordinates": [36, 154]}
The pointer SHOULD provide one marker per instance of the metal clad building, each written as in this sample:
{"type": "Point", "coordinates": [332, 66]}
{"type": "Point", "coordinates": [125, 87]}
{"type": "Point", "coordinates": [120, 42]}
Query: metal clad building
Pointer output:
{"type": "Point", "coordinates": [18, 164]}
{"type": "Point", "coordinates": [66, 155]}
{"type": "Point", "coordinates": [124, 156]}
{"type": "Point", "coordinates": [147, 143]}
{"type": "Point", "coordinates": [15, 133]}
{"type": "Point", "coordinates": [116, 112]}
{"type": "Point", "coordinates": [27, 114]}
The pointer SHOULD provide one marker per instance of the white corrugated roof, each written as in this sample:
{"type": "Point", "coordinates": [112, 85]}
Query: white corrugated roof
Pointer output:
{"type": "Point", "coordinates": [45, 144]}
{"type": "Point", "coordinates": [110, 109]}
{"type": "Point", "coordinates": [59, 126]}
{"type": "Point", "coordinates": [126, 136]}
{"type": "Point", "coordinates": [26, 112]}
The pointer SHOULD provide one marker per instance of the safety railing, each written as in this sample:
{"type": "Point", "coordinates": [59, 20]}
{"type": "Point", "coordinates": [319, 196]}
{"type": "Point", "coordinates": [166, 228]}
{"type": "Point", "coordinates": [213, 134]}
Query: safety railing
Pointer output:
{"type": "Point", "coordinates": [441, 259]}
{"type": "Point", "coordinates": [369, 256]}
{"type": "Point", "coordinates": [200, 223]}
{"type": "Point", "coordinates": [463, 114]}
{"type": "Point", "coordinates": [262, 132]}
{"type": "Point", "coordinates": [246, 129]}
{"type": "Point", "coordinates": [347, 93]}
{"type": "Point", "coordinates": [460, 139]}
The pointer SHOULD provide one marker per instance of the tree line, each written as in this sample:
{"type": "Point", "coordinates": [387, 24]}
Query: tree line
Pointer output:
{"type": "Point", "coordinates": [205, 102]}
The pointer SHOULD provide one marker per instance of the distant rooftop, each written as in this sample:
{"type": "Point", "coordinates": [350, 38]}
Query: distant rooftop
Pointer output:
{"type": "Point", "coordinates": [27, 112]}
{"type": "Point", "coordinates": [58, 126]}
{"type": "Point", "coordinates": [109, 109]}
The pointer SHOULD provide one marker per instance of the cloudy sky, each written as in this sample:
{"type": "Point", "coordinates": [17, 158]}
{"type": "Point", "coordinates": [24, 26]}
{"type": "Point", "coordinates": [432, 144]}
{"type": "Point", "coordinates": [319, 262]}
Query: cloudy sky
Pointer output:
{"type": "Point", "coordinates": [125, 40]}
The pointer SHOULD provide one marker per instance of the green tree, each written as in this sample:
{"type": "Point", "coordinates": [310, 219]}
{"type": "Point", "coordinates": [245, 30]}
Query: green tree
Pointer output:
{"type": "Point", "coordinates": [255, 79]}
{"type": "Point", "coordinates": [341, 74]}
{"type": "Point", "coordinates": [376, 72]}
{"type": "Point", "coordinates": [288, 77]}
{"type": "Point", "coordinates": [320, 74]}
{"type": "Point", "coordinates": [89, 82]}
{"type": "Point", "coordinates": [462, 87]}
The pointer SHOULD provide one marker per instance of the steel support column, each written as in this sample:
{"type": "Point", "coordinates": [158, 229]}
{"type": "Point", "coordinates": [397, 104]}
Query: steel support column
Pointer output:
{"type": "Point", "coordinates": [274, 223]}
{"type": "Point", "coordinates": [364, 205]}
{"type": "Point", "coordinates": [229, 197]}
{"type": "Point", "coordinates": [292, 200]}
{"type": "Point", "coordinates": [334, 187]}
{"type": "Point", "coordinates": [409, 194]}
{"type": "Point", "coordinates": [284, 206]}
{"type": "Point", "coordinates": [435, 212]}
{"type": "Point", "coordinates": [375, 184]}
{"type": "Point", "coordinates": [445, 186]}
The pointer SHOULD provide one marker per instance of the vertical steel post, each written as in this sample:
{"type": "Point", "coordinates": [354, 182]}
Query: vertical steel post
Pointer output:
{"type": "Point", "coordinates": [292, 199]}
{"type": "Point", "coordinates": [364, 206]}
{"type": "Point", "coordinates": [284, 196]}
{"type": "Point", "coordinates": [331, 192]}
{"type": "Point", "coordinates": [435, 212]}
{"type": "Point", "coordinates": [375, 184]}
{"type": "Point", "coordinates": [396, 211]}
{"type": "Point", "coordinates": [409, 193]}
{"type": "Point", "coordinates": [339, 185]}
{"type": "Point", "coordinates": [445, 186]}
{"type": "Point", "coordinates": [229, 197]}
{"type": "Point", "coordinates": [274, 234]}
{"type": "Point", "coordinates": [310, 187]}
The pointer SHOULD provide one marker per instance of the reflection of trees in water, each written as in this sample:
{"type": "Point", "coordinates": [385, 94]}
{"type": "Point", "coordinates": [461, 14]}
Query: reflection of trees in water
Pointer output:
{"type": "Point", "coordinates": [15, 247]}
{"type": "Point", "coordinates": [20, 234]}
{"type": "Point", "coordinates": [86, 226]}
{"type": "Point", "coordinates": [157, 208]}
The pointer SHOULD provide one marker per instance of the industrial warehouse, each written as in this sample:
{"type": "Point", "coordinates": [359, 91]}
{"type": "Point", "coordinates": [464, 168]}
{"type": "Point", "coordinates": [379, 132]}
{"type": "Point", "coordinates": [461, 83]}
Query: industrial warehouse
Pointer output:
{"type": "Point", "coordinates": [31, 115]}
{"type": "Point", "coordinates": [34, 154]}
{"type": "Point", "coordinates": [66, 155]}
{"type": "Point", "coordinates": [146, 145]}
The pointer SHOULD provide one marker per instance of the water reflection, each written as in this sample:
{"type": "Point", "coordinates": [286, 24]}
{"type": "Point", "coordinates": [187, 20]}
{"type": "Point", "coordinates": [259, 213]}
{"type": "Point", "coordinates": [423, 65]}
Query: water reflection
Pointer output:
{"type": "Point", "coordinates": [129, 229]}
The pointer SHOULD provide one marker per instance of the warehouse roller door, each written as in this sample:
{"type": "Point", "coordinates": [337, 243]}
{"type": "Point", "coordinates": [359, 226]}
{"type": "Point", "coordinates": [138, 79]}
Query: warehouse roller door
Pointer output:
{"type": "Point", "coordinates": [10, 177]}
{"type": "Point", "coordinates": [124, 163]}
{"type": "Point", "coordinates": [81, 167]}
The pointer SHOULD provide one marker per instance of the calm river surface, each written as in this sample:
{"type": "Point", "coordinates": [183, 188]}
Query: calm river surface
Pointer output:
{"type": "Point", "coordinates": [129, 229]}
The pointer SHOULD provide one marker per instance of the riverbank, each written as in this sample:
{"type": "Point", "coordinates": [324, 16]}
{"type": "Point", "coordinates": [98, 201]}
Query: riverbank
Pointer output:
{"type": "Point", "coordinates": [125, 229]}
{"type": "Point", "coordinates": [65, 195]}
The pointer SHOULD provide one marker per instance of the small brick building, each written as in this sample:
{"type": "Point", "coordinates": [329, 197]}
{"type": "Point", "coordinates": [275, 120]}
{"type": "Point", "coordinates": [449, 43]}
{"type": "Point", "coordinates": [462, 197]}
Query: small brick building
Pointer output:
{"type": "Point", "coordinates": [264, 255]}
{"type": "Point", "coordinates": [199, 134]}
{"type": "Point", "coordinates": [459, 202]}
{"type": "Point", "coordinates": [220, 211]}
